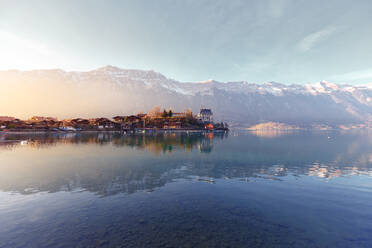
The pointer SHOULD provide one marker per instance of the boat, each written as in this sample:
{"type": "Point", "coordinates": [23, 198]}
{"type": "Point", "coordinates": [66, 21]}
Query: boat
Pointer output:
{"type": "Point", "coordinates": [68, 129]}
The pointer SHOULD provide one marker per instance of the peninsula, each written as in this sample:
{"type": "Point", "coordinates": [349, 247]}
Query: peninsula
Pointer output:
{"type": "Point", "coordinates": [154, 120]}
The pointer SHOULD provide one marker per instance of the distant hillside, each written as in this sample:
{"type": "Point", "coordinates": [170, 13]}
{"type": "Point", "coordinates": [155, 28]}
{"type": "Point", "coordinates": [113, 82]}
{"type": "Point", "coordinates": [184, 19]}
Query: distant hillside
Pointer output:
{"type": "Point", "coordinates": [273, 126]}
{"type": "Point", "coordinates": [111, 91]}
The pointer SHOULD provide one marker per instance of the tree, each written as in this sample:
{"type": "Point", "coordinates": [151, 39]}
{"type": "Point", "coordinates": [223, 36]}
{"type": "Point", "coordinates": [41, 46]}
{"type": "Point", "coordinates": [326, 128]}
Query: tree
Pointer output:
{"type": "Point", "coordinates": [170, 113]}
{"type": "Point", "coordinates": [165, 114]}
{"type": "Point", "coordinates": [189, 114]}
{"type": "Point", "coordinates": [155, 112]}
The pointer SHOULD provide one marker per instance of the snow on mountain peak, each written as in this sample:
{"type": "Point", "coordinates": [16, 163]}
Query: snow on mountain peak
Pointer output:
{"type": "Point", "coordinates": [209, 81]}
{"type": "Point", "coordinates": [130, 74]}
{"type": "Point", "coordinates": [108, 68]}
{"type": "Point", "coordinates": [238, 101]}
{"type": "Point", "coordinates": [329, 85]}
{"type": "Point", "coordinates": [154, 80]}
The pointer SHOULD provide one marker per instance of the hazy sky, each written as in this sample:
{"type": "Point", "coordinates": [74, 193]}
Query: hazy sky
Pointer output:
{"type": "Point", "coordinates": [257, 41]}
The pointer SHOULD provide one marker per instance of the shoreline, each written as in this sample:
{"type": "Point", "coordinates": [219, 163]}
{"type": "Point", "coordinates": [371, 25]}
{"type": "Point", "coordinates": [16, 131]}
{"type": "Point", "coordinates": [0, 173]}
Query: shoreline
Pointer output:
{"type": "Point", "coordinates": [138, 131]}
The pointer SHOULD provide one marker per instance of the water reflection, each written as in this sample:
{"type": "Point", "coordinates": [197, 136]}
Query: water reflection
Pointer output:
{"type": "Point", "coordinates": [159, 143]}
{"type": "Point", "coordinates": [108, 164]}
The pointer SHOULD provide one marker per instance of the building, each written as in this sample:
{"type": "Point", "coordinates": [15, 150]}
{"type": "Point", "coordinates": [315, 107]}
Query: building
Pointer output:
{"type": "Point", "coordinates": [42, 118]}
{"type": "Point", "coordinates": [181, 114]}
{"type": "Point", "coordinates": [119, 119]}
{"type": "Point", "coordinates": [172, 125]}
{"type": "Point", "coordinates": [142, 116]}
{"type": "Point", "coordinates": [205, 115]}
{"type": "Point", "coordinates": [78, 123]}
{"type": "Point", "coordinates": [6, 118]}
{"type": "Point", "coordinates": [209, 126]}
{"type": "Point", "coordinates": [101, 123]}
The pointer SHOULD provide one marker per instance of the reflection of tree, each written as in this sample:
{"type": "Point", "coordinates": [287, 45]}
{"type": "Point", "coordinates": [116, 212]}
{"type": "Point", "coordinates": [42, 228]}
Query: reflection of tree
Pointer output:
{"type": "Point", "coordinates": [156, 143]}
{"type": "Point", "coordinates": [165, 143]}
{"type": "Point", "coordinates": [162, 143]}
{"type": "Point", "coordinates": [130, 165]}
{"type": "Point", "coordinates": [125, 175]}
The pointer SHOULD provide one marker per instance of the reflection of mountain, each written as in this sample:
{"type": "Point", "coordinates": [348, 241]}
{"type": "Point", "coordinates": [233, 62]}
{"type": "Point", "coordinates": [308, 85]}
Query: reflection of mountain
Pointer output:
{"type": "Point", "coordinates": [108, 164]}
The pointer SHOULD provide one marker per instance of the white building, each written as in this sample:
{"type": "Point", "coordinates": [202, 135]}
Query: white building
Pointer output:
{"type": "Point", "coordinates": [205, 115]}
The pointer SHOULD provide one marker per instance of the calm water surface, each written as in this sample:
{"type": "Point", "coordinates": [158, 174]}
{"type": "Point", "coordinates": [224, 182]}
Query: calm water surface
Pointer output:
{"type": "Point", "coordinates": [303, 189]}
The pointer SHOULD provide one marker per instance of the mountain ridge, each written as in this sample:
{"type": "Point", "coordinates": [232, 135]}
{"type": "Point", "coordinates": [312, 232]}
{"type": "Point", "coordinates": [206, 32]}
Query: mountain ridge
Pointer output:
{"type": "Point", "coordinates": [110, 90]}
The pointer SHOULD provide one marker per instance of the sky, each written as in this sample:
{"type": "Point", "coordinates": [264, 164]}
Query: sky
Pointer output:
{"type": "Point", "coordinates": [286, 41]}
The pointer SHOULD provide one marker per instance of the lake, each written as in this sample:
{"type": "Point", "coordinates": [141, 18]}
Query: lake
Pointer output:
{"type": "Point", "coordinates": [241, 189]}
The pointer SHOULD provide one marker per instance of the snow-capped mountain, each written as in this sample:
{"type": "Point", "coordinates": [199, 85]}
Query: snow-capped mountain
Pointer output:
{"type": "Point", "coordinates": [110, 91]}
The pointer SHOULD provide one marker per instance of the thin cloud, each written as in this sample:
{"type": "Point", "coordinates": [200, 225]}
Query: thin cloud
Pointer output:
{"type": "Point", "coordinates": [312, 39]}
{"type": "Point", "coordinates": [276, 9]}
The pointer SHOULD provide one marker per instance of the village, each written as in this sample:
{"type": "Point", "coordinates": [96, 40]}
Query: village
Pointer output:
{"type": "Point", "coordinates": [154, 120]}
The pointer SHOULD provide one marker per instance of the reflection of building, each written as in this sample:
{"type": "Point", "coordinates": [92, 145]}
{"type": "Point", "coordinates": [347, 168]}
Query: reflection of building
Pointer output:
{"type": "Point", "coordinates": [325, 171]}
{"type": "Point", "coordinates": [206, 145]}
{"type": "Point", "coordinates": [205, 115]}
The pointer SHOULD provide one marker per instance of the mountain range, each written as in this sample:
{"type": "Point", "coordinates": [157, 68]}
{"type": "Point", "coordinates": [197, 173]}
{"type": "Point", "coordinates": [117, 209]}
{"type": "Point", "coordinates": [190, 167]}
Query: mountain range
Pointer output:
{"type": "Point", "coordinates": [110, 91]}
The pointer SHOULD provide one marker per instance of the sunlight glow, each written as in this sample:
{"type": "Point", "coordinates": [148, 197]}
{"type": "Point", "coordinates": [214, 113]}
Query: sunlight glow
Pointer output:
{"type": "Point", "coordinates": [21, 53]}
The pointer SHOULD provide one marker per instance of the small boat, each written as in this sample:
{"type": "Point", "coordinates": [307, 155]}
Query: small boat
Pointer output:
{"type": "Point", "coordinates": [207, 180]}
{"type": "Point", "coordinates": [68, 129]}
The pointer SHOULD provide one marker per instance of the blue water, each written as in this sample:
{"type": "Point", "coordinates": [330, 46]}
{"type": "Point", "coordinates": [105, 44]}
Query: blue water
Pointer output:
{"type": "Point", "coordinates": [300, 189]}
